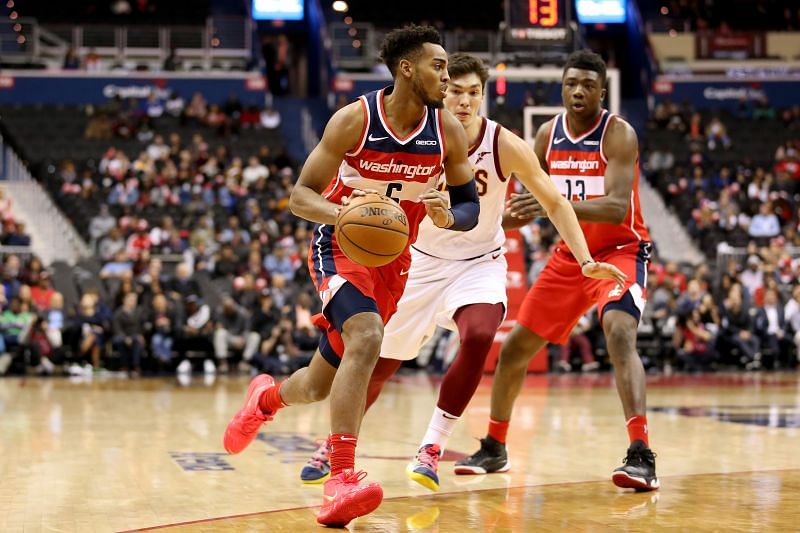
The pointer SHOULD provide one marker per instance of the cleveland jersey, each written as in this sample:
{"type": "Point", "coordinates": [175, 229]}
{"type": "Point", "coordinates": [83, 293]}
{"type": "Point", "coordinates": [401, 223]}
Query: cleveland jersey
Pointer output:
{"type": "Point", "coordinates": [399, 167]}
{"type": "Point", "coordinates": [492, 184]}
{"type": "Point", "coordinates": [577, 166]}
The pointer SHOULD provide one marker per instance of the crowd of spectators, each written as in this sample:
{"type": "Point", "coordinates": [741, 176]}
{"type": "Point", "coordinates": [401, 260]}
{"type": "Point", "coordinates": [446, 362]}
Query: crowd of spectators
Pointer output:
{"type": "Point", "coordinates": [735, 200]}
{"type": "Point", "coordinates": [170, 217]}
{"type": "Point", "coordinates": [746, 215]}
{"type": "Point", "coordinates": [140, 120]}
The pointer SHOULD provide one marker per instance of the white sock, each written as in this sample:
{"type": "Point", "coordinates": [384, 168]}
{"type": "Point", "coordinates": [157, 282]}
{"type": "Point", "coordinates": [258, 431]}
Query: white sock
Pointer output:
{"type": "Point", "coordinates": [439, 428]}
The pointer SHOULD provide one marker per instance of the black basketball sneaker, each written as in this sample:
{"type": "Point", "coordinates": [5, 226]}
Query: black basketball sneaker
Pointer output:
{"type": "Point", "coordinates": [638, 470]}
{"type": "Point", "coordinates": [492, 457]}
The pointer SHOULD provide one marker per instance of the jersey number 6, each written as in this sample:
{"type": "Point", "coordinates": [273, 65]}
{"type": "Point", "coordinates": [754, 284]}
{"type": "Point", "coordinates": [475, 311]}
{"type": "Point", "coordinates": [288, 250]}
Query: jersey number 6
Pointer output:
{"type": "Point", "coordinates": [392, 188]}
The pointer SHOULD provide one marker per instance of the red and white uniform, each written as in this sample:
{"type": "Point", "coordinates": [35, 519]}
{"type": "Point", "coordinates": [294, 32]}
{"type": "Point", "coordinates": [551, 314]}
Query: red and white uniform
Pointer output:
{"type": "Point", "coordinates": [399, 167]}
{"type": "Point", "coordinates": [562, 294]}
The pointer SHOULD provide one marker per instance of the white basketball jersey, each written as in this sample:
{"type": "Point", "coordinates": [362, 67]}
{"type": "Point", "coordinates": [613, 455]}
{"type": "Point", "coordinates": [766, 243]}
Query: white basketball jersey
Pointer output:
{"type": "Point", "coordinates": [488, 235]}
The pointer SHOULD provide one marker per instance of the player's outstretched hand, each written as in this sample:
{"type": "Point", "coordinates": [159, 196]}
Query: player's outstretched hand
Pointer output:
{"type": "Point", "coordinates": [525, 206]}
{"type": "Point", "coordinates": [604, 271]}
{"type": "Point", "coordinates": [437, 205]}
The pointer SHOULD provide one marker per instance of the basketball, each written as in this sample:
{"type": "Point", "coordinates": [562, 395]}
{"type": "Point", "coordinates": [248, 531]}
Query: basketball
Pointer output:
{"type": "Point", "coordinates": [372, 230]}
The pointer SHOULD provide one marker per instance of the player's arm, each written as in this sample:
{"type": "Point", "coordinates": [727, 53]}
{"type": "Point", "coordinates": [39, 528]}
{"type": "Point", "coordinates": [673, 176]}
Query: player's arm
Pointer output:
{"type": "Point", "coordinates": [520, 206]}
{"type": "Point", "coordinates": [622, 150]}
{"type": "Point", "coordinates": [464, 203]}
{"type": "Point", "coordinates": [518, 158]}
{"type": "Point", "coordinates": [341, 135]}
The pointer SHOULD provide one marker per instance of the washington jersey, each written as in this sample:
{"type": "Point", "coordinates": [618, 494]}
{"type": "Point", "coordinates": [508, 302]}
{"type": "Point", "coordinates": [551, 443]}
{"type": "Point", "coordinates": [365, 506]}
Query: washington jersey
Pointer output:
{"type": "Point", "coordinates": [492, 184]}
{"type": "Point", "coordinates": [577, 166]}
{"type": "Point", "coordinates": [402, 168]}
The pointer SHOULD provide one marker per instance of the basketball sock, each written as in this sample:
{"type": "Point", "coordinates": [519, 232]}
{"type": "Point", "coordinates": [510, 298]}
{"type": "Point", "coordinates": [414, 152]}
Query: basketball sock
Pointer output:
{"type": "Point", "coordinates": [271, 400]}
{"type": "Point", "coordinates": [637, 429]}
{"type": "Point", "coordinates": [343, 452]}
{"type": "Point", "coordinates": [477, 325]}
{"type": "Point", "coordinates": [384, 369]}
{"type": "Point", "coordinates": [498, 429]}
{"type": "Point", "coordinates": [439, 429]}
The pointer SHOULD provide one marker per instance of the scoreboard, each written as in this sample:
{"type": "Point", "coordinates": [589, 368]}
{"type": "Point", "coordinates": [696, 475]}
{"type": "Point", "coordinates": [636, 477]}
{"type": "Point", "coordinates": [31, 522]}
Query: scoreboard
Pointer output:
{"type": "Point", "coordinates": [538, 20]}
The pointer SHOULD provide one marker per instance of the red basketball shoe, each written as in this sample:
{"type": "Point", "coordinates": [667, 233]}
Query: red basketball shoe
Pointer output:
{"type": "Point", "coordinates": [244, 426]}
{"type": "Point", "coordinates": [344, 499]}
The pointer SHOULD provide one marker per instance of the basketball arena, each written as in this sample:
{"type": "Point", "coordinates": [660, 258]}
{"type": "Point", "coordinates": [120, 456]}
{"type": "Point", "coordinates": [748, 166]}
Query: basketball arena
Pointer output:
{"type": "Point", "coordinates": [501, 266]}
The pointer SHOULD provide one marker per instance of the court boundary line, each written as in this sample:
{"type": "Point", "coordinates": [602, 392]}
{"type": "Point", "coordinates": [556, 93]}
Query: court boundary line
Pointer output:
{"type": "Point", "coordinates": [443, 494]}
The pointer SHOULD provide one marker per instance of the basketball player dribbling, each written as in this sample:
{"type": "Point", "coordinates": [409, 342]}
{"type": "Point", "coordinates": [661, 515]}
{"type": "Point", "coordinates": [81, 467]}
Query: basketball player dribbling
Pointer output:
{"type": "Point", "coordinates": [395, 141]}
{"type": "Point", "coordinates": [592, 156]}
{"type": "Point", "coordinates": [459, 280]}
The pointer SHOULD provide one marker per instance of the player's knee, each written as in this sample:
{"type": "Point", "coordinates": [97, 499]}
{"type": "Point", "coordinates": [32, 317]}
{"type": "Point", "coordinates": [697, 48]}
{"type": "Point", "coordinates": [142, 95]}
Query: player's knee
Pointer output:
{"type": "Point", "coordinates": [515, 350]}
{"type": "Point", "coordinates": [365, 343]}
{"type": "Point", "coordinates": [519, 347]}
{"type": "Point", "coordinates": [480, 336]}
{"type": "Point", "coordinates": [621, 340]}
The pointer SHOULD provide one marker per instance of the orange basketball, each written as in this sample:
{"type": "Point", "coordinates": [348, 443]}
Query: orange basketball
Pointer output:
{"type": "Point", "coordinates": [372, 230]}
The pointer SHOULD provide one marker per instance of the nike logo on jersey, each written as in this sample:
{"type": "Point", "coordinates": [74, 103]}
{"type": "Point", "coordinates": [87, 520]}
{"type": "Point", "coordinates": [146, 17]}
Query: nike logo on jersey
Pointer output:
{"type": "Point", "coordinates": [373, 139]}
{"type": "Point", "coordinates": [498, 254]}
{"type": "Point", "coordinates": [403, 272]}
{"type": "Point", "coordinates": [621, 246]}
{"type": "Point", "coordinates": [559, 141]}
{"type": "Point", "coordinates": [481, 155]}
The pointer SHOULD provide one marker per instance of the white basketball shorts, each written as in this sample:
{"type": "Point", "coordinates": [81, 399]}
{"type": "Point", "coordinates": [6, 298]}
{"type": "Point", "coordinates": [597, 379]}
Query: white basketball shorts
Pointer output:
{"type": "Point", "coordinates": [436, 289]}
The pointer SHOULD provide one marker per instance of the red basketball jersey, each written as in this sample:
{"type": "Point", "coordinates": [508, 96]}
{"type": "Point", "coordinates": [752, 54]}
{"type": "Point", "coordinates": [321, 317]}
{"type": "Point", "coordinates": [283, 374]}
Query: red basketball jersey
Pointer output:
{"type": "Point", "coordinates": [577, 165]}
{"type": "Point", "coordinates": [402, 168]}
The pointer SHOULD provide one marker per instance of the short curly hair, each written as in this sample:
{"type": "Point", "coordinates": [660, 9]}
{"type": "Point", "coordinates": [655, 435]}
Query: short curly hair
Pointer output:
{"type": "Point", "coordinates": [406, 43]}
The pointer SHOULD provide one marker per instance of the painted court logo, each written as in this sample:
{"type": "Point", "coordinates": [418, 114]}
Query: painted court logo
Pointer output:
{"type": "Point", "coordinates": [201, 462]}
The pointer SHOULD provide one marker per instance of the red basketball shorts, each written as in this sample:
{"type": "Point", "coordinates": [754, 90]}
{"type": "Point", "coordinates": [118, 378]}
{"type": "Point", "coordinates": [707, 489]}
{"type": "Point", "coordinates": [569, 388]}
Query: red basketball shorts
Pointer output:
{"type": "Point", "coordinates": [562, 294]}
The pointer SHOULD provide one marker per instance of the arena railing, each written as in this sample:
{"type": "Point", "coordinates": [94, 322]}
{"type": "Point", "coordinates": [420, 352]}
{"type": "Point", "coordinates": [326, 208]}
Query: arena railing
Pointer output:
{"type": "Point", "coordinates": [221, 38]}
{"type": "Point", "coordinates": [54, 237]}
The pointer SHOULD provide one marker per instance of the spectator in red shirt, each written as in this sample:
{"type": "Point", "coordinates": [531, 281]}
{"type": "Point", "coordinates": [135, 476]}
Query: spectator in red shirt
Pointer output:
{"type": "Point", "coordinates": [42, 292]}
{"type": "Point", "coordinates": [139, 241]}
{"type": "Point", "coordinates": [671, 272]}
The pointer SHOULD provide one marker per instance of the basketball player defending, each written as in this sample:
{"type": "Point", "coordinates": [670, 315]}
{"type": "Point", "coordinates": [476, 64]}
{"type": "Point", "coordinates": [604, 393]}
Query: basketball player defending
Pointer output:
{"type": "Point", "coordinates": [459, 280]}
{"type": "Point", "coordinates": [592, 157]}
{"type": "Point", "coordinates": [396, 141]}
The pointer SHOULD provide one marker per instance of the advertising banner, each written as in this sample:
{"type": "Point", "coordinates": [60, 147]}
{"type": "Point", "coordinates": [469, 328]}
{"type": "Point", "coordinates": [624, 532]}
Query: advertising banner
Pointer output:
{"type": "Point", "coordinates": [86, 88]}
{"type": "Point", "coordinates": [717, 94]}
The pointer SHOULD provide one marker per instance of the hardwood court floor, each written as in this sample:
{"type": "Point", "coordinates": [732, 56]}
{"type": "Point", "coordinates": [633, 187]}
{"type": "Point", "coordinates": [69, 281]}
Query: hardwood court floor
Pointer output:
{"type": "Point", "coordinates": [116, 455]}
